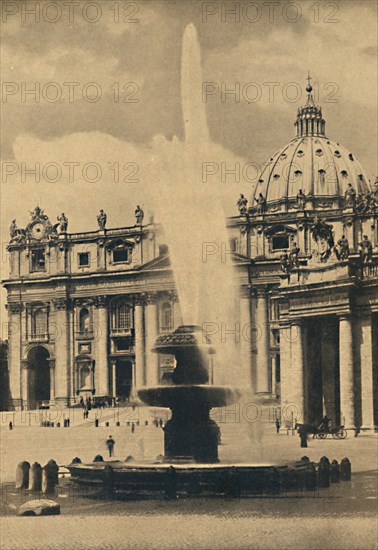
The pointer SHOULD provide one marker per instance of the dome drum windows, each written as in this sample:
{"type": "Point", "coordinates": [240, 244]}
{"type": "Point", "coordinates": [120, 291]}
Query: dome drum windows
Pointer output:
{"type": "Point", "coordinates": [344, 173]}
{"type": "Point", "coordinates": [279, 237]}
{"type": "Point", "coordinates": [319, 152]}
{"type": "Point", "coordinates": [337, 154]}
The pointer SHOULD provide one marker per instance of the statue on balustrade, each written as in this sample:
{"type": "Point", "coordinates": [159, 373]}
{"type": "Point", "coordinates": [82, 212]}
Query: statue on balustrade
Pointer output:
{"type": "Point", "coordinates": [301, 199]}
{"type": "Point", "coordinates": [16, 235]}
{"type": "Point", "coordinates": [293, 255]}
{"type": "Point", "coordinates": [13, 229]}
{"type": "Point", "coordinates": [242, 204]}
{"type": "Point", "coordinates": [366, 250]}
{"type": "Point", "coordinates": [63, 222]}
{"type": "Point", "coordinates": [285, 262]}
{"type": "Point", "coordinates": [101, 219]}
{"type": "Point", "coordinates": [139, 215]}
{"type": "Point", "coordinates": [261, 204]}
{"type": "Point", "coordinates": [343, 248]}
{"type": "Point", "coordinates": [350, 196]}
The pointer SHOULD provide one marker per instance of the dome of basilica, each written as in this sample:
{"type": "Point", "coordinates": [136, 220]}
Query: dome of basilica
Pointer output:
{"type": "Point", "coordinates": [311, 164]}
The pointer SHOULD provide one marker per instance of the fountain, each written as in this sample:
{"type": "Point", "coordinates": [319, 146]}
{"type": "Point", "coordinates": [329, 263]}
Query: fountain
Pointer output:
{"type": "Point", "coordinates": [190, 464]}
{"type": "Point", "coordinates": [190, 434]}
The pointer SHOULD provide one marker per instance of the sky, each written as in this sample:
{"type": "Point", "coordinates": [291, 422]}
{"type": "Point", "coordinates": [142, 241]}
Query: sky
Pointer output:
{"type": "Point", "coordinates": [106, 77]}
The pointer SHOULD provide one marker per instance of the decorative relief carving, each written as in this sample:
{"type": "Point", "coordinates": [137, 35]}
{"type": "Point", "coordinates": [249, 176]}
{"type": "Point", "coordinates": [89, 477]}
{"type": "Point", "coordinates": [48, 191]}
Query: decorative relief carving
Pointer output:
{"type": "Point", "coordinates": [14, 307]}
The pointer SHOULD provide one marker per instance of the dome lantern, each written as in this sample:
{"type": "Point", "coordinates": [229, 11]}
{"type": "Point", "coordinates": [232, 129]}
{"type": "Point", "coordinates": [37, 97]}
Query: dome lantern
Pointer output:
{"type": "Point", "coordinates": [309, 118]}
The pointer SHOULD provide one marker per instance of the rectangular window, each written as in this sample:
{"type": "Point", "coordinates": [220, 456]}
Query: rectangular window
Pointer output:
{"type": "Point", "coordinates": [83, 259]}
{"type": "Point", "coordinates": [38, 262]}
{"type": "Point", "coordinates": [120, 255]}
{"type": "Point", "coordinates": [280, 242]}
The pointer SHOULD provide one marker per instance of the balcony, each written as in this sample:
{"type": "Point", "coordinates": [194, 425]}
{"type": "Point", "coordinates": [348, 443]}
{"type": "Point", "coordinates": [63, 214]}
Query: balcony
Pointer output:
{"type": "Point", "coordinates": [84, 334]}
{"type": "Point", "coordinates": [121, 332]}
{"type": "Point", "coordinates": [38, 338]}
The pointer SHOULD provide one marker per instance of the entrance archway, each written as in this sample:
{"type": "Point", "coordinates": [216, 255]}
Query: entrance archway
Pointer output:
{"type": "Point", "coordinates": [124, 377]}
{"type": "Point", "coordinates": [38, 377]}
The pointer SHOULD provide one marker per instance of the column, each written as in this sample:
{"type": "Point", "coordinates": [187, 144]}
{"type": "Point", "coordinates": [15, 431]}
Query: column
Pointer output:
{"type": "Point", "coordinates": [367, 373]}
{"type": "Point", "coordinates": [297, 369]}
{"type": "Point", "coordinates": [346, 372]}
{"type": "Point", "coordinates": [152, 359]}
{"type": "Point", "coordinates": [140, 375]}
{"type": "Point", "coordinates": [263, 344]}
{"type": "Point", "coordinates": [14, 357]}
{"type": "Point", "coordinates": [245, 337]}
{"type": "Point", "coordinates": [285, 366]}
{"type": "Point", "coordinates": [102, 388]}
{"type": "Point", "coordinates": [52, 380]}
{"type": "Point", "coordinates": [61, 351]}
{"type": "Point", "coordinates": [114, 378]}
{"type": "Point", "coordinates": [25, 384]}
{"type": "Point", "coordinates": [274, 373]}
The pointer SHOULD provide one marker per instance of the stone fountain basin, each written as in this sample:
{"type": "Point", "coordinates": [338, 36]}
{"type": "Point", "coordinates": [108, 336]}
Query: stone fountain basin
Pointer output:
{"type": "Point", "coordinates": [192, 395]}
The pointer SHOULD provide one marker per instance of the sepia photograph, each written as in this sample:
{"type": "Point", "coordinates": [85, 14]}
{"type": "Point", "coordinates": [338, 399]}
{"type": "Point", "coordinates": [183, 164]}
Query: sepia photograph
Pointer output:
{"type": "Point", "coordinates": [189, 275]}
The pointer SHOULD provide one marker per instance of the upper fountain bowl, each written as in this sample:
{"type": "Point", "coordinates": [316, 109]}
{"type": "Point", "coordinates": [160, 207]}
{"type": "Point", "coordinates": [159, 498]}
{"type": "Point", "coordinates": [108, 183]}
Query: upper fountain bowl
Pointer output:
{"type": "Point", "coordinates": [185, 336]}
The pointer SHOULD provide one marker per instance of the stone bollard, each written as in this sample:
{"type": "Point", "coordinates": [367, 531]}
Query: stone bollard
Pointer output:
{"type": "Point", "coordinates": [76, 460]}
{"type": "Point", "coordinates": [22, 475]}
{"type": "Point", "coordinates": [129, 458]}
{"type": "Point", "coordinates": [305, 459]}
{"type": "Point", "coordinates": [310, 477]}
{"type": "Point", "coordinates": [58, 424]}
{"type": "Point", "coordinates": [107, 424]}
{"type": "Point", "coordinates": [334, 472]}
{"type": "Point", "coordinates": [118, 423]}
{"type": "Point", "coordinates": [108, 480]}
{"type": "Point", "coordinates": [345, 470]}
{"type": "Point", "coordinates": [50, 477]}
{"type": "Point", "coordinates": [171, 483]}
{"type": "Point", "coordinates": [96, 422]}
{"type": "Point", "coordinates": [98, 458]}
{"type": "Point", "coordinates": [323, 472]}
{"type": "Point", "coordinates": [35, 477]}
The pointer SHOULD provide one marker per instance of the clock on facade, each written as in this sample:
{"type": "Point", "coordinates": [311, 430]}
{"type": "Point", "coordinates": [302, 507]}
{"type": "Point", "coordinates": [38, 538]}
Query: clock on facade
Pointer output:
{"type": "Point", "coordinates": [38, 230]}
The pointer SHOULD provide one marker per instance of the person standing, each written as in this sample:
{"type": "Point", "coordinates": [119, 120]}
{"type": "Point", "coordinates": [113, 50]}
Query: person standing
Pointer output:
{"type": "Point", "coordinates": [303, 437]}
{"type": "Point", "coordinates": [110, 444]}
{"type": "Point", "coordinates": [278, 425]}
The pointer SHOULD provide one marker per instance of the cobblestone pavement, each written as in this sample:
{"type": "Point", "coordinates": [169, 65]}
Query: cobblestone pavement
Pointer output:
{"type": "Point", "coordinates": [176, 532]}
{"type": "Point", "coordinates": [343, 517]}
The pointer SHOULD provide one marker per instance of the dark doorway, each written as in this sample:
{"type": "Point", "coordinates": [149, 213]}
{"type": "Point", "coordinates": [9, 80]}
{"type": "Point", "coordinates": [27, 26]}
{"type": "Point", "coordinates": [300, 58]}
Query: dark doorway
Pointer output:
{"type": "Point", "coordinates": [124, 377]}
{"type": "Point", "coordinates": [38, 377]}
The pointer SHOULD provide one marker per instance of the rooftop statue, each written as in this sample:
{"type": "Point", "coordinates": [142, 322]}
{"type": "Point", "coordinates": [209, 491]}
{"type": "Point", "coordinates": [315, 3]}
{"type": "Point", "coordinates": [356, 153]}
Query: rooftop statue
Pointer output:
{"type": "Point", "coordinates": [63, 222]}
{"type": "Point", "coordinates": [139, 215]}
{"type": "Point", "coordinates": [350, 196]}
{"type": "Point", "coordinates": [101, 219]}
{"type": "Point", "coordinates": [323, 235]}
{"type": "Point", "coordinates": [242, 204]}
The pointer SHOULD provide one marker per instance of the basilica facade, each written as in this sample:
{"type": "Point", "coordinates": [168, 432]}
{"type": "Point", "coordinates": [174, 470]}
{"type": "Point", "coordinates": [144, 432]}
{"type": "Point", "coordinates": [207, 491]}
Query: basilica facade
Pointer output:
{"type": "Point", "coordinates": [85, 308]}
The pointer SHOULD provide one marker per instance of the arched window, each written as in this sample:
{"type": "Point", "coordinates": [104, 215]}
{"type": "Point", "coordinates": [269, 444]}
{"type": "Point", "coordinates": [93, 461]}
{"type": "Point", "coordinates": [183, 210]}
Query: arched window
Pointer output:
{"type": "Point", "coordinates": [123, 317]}
{"type": "Point", "coordinates": [166, 317]}
{"type": "Point", "coordinates": [84, 320]}
{"type": "Point", "coordinates": [322, 174]}
{"type": "Point", "coordinates": [39, 324]}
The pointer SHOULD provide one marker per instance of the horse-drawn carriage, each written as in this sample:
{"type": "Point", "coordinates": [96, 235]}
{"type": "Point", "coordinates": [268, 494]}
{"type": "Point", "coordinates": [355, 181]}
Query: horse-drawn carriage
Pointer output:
{"type": "Point", "coordinates": [321, 432]}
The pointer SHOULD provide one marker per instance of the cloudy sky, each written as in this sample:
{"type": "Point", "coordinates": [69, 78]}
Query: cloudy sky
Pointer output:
{"type": "Point", "coordinates": [107, 81]}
